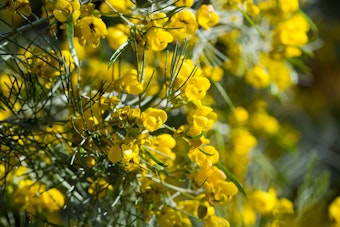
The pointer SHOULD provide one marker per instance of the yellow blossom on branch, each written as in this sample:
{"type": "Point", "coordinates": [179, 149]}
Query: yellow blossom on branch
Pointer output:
{"type": "Point", "coordinates": [90, 30]}
{"type": "Point", "coordinates": [206, 16]}
{"type": "Point", "coordinates": [117, 35]}
{"type": "Point", "coordinates": [157, 39]}
{"type": "Point", "coordinates": [153, 118]}
{"type": "Point", "coordinates": [196, 88]}
{"type": "Point", "coordinates": [64, 8]}
{"type": "Point", "coordinates": [183, 24]}
{"type": "Point", "coordinates": [129, 83]}
{"type": "Point", "coordinates": [18, 6]}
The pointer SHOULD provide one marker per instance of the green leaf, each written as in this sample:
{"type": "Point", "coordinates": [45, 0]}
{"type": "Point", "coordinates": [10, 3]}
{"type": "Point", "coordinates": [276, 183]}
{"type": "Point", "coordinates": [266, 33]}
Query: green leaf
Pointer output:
{"type": "Point", "coordinates": [153, 158]}
{"type": "Point", "coordinates": [118, 52]}
{"type": "Point", "coordinates": [232, 178]}
{"type": "Point", "coordinates": [70, 38]}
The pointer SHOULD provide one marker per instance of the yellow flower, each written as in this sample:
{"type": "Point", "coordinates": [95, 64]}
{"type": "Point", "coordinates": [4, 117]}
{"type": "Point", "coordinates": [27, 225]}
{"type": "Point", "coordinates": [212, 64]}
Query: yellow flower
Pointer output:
{"type": "Point", "coordinates": [18, 6]}
{"type": "Point", "coordinates": [242, 115]}
{"type": "Point", "coordinates": [293, 32]}
{"type": "Point", "coordinates": [201, 119]}
{"type": "Point", "coordinates": [171, 217]}
{"type": "Point", "coordinates": [258, 77]}
{"type": "Point", "coordinates": [196, 88]}
{"type": "Point", "coordinates": [204, 155]}
{"type": "Point", "coordinates": [224, 191]}
{"type": "Point", "coordinates": [115, 154]}
{"type": "Point", "coordinates": [117, 35]}
{"type": "Point", "coordinates": [334, 210]}
{"type": "Point", "coordinates": [203, 173]}
{"type": "Point", "coordinates": [264, 123]}
{"type": "Point", "coordinates": [157, 39]}
{"type": "Point", "coordinates": [247, 216]}
{"type": "Point", "coordinates": [186, 3]}
{"type": "Point", "coordinates": [214, 73]}
{"type": "Point", "coordinates": [159, 19]}
{"type": "Point", "coordinates": [64, 8]}
{"type": "Point", "coordinates": [291, 35]}
{"type": "Point", "coordinates": [69, 64]}
{"type": "Point", "coordinates": [53, 199]}
{"type": "Point", "coordinates": [127, 154]}
{"type": "Point", "coordinates": [161, 148]}
{"type": "Point", "coordinates": [186, 69]}
{"type": "Point", "coordinates": [288, 6]}
{"type": "Point", "coordinates": [281, 74]}
{"type": "Point", "coordinates": [99, 188]}
{"type": "Point", "coordinates": [216, 221]}
{"type": "Point", "coordinates": [283, 206]}
{"type": "Point", "coordinates": [90, 30]}
{"type": "Point", "coordinates": [2, 173]}
{"type": "Point", "coordinates": [122, 6]}
{"type": "Point", "coordinates": [153, 118]}
{"type": "Point", "coordinates": [251, 8]}
{"type": "Point", "coordinates": [243, 141]}
{"type": "Point", "coordinates": [206, 16]}
{"type": "Point", "coordinates": [264, 202]}
{"type": "Point", "coordinates": [183, 24]}
{"type": "Point", "coordinates": [129, 82]}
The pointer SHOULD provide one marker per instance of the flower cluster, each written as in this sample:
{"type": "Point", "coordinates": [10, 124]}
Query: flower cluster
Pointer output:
{"type": "Point", "coordinates": [123, 109]}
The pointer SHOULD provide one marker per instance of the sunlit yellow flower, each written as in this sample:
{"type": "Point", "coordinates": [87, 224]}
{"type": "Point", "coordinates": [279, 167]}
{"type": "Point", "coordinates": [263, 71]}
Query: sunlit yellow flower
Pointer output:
{"type": "Point", "coordinates": [201, 119]}
{"type": "Point", "coordinates": [99, 188]}
{"type": "Point", "coordinates": [283, 206]}
{"type": "Point", "coordinates": [251, 8]}
{"type": "Point", "coordinates": [243, 141]}
{"type": "Point", "coordinates": [288, 6]}
{"type": "Point", "coordinates": [129, 83]}
{"type": "Point", "coordinates": [213, 73]}
{"type": "Point", "coordinates": [204, 155]}
{"type": "Point", "coordinates": [186, 3]}
{"type": "Point", "coordinates": [264, 202]}
{"type": "Point", "coordinates": [115, 153]}
{"type": "Point", "coordinates": [157, 39]}
{"type": "Point", "coordinates": [291, 35]}
{"type": "Point", "coordinates": [122, 6]}
{"type": "Point", "coordinates": [262, 122]}
{"type": "Point", "coordinates": [69, 64]}
{"type": "Point", "coordinates": [153, 118]}
{"type": "Point", "coordinates": [18, 6]}
{"type": "Point", "coordinates": [90, 30]}
{"type": "Point", "coordinates": [206, 16]}
{"type": "Point", "coordinates": [159, 19]}
{"type": "Point", "coordinates": [172, 217]}
{"type": "Point", "coordinates": [117, 35]}
{"type": "Point", "coordinates": [224, 191]}
{"type": "Point", "coordinates": [293, 31]}
{"type": "Point", "coordinates": [216, 221]}
{"type": "Point", "coordinates": [203, 173]}
{"type": "Point", "coordinates": [258, 77]}
{"type": "Point", "coordinates": [64, 8]}
{"type": "Point", "coordinates": [242, 115]}
{"type": "Point", "coordinates": [183, 24]}
{"type": "Point", "coordinates": [196, 88]}
{"type": "Point", "coordinates": [334, 210]}
{"type": "Point", "coordinates": [53, 199]}
{"type": "Point", "coordinates": [161, 148]}
{"type": "Point", "coordinates": [187, 69]}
